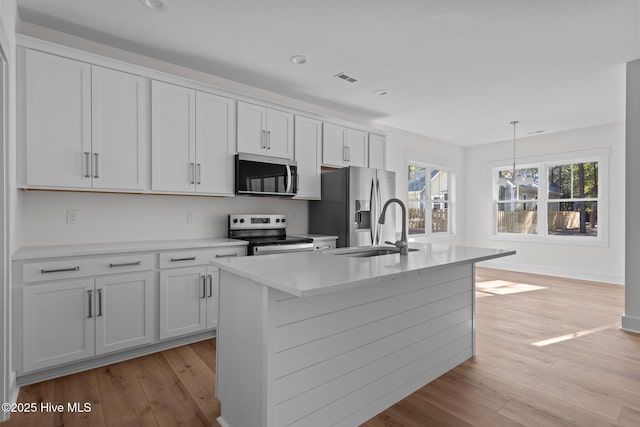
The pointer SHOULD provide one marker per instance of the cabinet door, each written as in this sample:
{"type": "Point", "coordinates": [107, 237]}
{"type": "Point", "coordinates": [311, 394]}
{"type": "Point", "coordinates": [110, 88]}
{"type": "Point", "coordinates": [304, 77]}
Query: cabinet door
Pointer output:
{"type": "Point", "coordinates": [376, 151]}
{"type": "Point", "coordinates": [172, 138]}
{"type": "Point", "coordinates": [213, 289]}
{"type": "Point", "coordinates": [279, 134]}
{"type": "Point", "coordinates": [57, 322]}
{"type": "Point", "coordinates": [57, 121]}
{"type": "Point", "coordinates": [333, 145]}
{"type": "Point", "coordinates": [357, 148]}
{"type": "Point", "coordinates": [183, 301]}
{"type": "Point", "coordinates": [119, 130]}
{"type": "Point", "coordinates": [308, 138]}
{"type": "Point", "coordinates": [252, 124]}
{"type": "Point", "coordinates": [124, 311]}
{"type": "Point", "coordinates": [214, 144]}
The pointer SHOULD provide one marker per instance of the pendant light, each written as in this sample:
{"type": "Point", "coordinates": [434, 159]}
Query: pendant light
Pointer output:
{"type": "Point", "coordinates": [516, 180]}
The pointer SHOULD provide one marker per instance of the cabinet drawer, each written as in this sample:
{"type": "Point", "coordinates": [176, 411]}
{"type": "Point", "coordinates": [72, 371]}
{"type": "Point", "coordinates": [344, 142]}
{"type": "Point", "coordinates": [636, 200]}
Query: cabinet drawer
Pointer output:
{"type": "Point", "coordinates": [320, 245]}
{"type": "Point", "coordinates": [83, 267]}
{"type": "Point", "coordinates": [198, 257]}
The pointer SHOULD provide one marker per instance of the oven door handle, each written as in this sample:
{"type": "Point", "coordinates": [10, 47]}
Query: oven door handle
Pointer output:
{"type": "Point", "coordinates": [276, 249]}
{"type": "Point", "coordinates": [289, 180]}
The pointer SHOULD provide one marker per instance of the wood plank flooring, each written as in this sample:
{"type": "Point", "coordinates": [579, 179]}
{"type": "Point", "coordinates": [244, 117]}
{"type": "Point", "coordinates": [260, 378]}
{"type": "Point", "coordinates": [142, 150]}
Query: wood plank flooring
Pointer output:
{"type": "Point", "coordinates": [549, 353]}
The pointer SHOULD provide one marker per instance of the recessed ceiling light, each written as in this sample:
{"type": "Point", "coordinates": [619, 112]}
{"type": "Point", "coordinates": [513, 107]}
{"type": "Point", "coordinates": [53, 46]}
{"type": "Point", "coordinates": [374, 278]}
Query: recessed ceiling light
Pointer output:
{"type": "Point", "coordinates": [381, 92]}
{"type": "Point", "coordinates": [298, 59]}
{"type": "Point", "coordinates": [157, 5]}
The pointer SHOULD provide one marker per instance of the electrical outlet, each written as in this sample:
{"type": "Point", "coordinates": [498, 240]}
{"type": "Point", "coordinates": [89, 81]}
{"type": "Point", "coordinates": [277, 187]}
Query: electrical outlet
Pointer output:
{"type": "Point", "coordinates": [190, 216]}
{"type": "Point", "coordinates": [73, 217]}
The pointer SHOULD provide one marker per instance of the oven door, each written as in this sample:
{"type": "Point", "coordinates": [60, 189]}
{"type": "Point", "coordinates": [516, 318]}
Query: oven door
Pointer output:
{"type": "Point", "coordinates": [265, 176]}
{"type": "Point", "coordinates": [280, 249]}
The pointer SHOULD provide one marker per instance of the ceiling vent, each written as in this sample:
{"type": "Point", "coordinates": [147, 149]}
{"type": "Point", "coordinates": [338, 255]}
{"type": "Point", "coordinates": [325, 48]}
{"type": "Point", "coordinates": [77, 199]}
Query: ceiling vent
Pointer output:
{"type": "Point", "coordinates": [346, 77]}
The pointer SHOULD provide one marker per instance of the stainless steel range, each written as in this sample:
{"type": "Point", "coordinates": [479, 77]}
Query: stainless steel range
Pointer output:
{"type": "Point", "coordinates": [266, 234]}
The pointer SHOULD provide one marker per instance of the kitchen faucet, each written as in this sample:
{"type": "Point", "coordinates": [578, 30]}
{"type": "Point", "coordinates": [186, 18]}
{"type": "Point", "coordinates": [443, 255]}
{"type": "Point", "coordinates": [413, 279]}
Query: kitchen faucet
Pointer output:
{"type": "Point", "coordinates": [402, 244]}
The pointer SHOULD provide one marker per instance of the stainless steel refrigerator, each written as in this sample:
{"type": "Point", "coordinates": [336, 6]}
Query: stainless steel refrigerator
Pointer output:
{"type": "Point", "coordinates": [352, 200]}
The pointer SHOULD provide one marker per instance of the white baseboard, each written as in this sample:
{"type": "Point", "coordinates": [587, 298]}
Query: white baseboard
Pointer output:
{"type": "Point", "coordinates": [554, 271]}
{"type": "Point", "coordinates": [630, 324]}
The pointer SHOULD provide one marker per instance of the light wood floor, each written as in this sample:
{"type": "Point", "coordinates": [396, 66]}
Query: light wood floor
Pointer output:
{"type": "Point", "coordinates": [583, 372]}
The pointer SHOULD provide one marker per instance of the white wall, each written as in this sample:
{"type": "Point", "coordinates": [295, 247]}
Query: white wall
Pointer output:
{"type": "Point", "coordinates": [631, 318]}
{"type": "Point", "coordinates": [130, 217]}
{"type": "Point", "coordinates": [584, 262]}
{"type": "Point", "coordinates": [403, 146]}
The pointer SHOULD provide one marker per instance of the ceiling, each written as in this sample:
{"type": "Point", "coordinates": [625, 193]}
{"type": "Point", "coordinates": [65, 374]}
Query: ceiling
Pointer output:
{"type": "Point", "coordinates": [458, 71]}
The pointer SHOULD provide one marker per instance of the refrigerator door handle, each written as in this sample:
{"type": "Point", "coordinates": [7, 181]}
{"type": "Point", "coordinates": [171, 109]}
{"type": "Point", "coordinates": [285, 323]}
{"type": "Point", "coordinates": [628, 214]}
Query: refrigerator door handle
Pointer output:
{"type": "Point", "coordinates": [372, 212]}
{"type": "Point", "coordinates": [378, 211]}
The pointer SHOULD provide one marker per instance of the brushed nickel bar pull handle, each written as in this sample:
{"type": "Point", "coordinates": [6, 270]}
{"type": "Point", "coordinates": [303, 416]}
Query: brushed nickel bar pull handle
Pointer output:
{"type": "Point", "coordinates": [210, 277]}
{"type": "Point", "coordinates": [125, 264]}
{"type": "Point", "coordinates": [204, 287]}
{"type": "Point", "coordinates": [89, 293]}
{"type": "Point", "coordinates": [95, 171]}
{"type": "Point", "coordinates": [263, 139]}
{"type": "Point", "coordinates": [192, 173]}
{"type": "Point", "coordinates": [348, 154]}
{"type": "Point", "coordinates": [191, 258]}
{"type": "Point", "coordinates": [268, 140]}
{"type": "Point", "coordinates": [99, 303]}
{"type": "Point", "coordinates": [87, 167]}
{"type": "Point", "coordinates": [59, 270]}
{"type": "Point", "coordinates": [323, 247]}
{"type": "Point", "coordinates": [344, 153]}
{"type": "Point", "coordinates": [226, 255]}
{"type": "Point", "coordinates": [199, 172]}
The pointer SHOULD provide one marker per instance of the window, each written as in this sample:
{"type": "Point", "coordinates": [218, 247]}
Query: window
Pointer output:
{"type": "Point", "coordinates": [429, 200]}
{"type": "Point", "coordinates": [552, 199]}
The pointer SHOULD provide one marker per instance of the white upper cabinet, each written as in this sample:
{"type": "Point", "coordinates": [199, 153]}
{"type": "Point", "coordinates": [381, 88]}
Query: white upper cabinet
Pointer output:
{"type": "Point", "coordinates": [343, 146]}
{"type": "Point", "coordinates": [308, 137]}
{"type": "Point", "coordinates": [376, 151]}
{"type": "Point", "coordinates": [85, 126]}
{"type": "Point", "coordinates": [192, 141]}
{"type": "Point", "coordinates": [173, 165]}
{"type": "Point", "coordinates": [215, 139]}
{"type": "Point", "coordinates": [57, 121]}
{"type": "Point", "coordinates": [265, 131]}
{"type": "Point", "coordinates": [119, 130]}
{"type": "Point", "coordinates": [357, 148]}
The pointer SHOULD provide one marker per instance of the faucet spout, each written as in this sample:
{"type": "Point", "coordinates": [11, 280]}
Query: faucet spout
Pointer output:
{"type": "Point", "coordinates": [402, 244]}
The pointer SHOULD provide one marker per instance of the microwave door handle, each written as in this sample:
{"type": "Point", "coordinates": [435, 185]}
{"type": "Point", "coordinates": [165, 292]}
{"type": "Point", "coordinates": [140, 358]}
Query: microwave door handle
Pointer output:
{"type": "Point", "coordinates": [289, 181]}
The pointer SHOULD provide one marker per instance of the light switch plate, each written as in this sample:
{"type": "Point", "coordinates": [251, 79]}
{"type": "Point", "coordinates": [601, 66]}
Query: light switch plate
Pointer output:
{"type": "Point", "coordinates": [73, 217]}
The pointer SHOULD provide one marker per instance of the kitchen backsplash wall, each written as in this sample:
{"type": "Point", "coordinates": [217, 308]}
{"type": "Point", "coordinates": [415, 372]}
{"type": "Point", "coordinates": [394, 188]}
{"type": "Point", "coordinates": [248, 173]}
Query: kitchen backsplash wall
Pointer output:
{"type": "Point", "coordinates": [132, 217]}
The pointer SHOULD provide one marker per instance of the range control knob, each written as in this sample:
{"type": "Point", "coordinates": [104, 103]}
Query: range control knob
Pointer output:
{"type": "Point", "coordinates": [235, 220]}
{"type": "Point", "coordinates": [242, 221]}
{"type": "Point", "coordinates": [283, 219]}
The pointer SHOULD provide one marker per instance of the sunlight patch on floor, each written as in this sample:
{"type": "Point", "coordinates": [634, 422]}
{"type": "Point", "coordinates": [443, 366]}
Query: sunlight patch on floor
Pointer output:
{"type": "Point", "coordinates": [573, 335]}
{"type": "Point", "coordinates": [503, 287]}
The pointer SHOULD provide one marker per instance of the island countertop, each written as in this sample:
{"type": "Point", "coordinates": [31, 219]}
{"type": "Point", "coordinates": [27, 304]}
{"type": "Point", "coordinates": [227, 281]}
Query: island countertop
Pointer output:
{"type": "Point", "coordinates": [306, 274]}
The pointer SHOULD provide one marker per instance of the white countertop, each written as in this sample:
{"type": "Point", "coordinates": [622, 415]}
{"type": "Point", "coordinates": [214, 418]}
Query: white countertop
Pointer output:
{"type": "Point", "coordinates": [312, 273]}
{"type": "Point", "coordinates": [54, 251]}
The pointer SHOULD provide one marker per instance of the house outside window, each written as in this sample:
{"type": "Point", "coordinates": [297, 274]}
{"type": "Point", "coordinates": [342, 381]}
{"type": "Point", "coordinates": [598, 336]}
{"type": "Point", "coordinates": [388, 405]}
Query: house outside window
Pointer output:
{"type": "Point", "coordinates": [553, 199]}
{"type": "Point", "coordinates": [430, 204]}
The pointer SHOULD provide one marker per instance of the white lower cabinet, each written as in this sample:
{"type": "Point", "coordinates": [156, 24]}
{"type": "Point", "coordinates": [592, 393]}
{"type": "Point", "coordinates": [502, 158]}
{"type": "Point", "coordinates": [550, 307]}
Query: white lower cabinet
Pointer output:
{"type": "Point", "coordinates": [188, 300]}
{"type": "Point", "coordinates": [74, 319]}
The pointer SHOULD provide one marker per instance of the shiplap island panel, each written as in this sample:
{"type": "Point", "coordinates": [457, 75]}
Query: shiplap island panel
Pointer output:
{"type": "Point", "coordinates": [316, 339]}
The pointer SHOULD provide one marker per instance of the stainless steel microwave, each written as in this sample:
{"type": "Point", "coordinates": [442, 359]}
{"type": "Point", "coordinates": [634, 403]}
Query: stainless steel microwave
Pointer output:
{"type": "Point", "coordinates": [265, 176]}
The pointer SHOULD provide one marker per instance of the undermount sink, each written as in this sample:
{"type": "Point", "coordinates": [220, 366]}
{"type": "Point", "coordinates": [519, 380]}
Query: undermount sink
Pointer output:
{"type": "Point", "coordinates": [361, 253]}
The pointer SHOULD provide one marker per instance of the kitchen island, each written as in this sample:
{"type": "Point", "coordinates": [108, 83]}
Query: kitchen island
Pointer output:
{"type": "Point", "coordinates": [334, 338]}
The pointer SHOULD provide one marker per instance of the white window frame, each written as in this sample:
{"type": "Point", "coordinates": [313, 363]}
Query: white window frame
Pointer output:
{"type": "Point", "coordinates": [429, 235]}
{"type": "Point", "coordinates": [543, 163]}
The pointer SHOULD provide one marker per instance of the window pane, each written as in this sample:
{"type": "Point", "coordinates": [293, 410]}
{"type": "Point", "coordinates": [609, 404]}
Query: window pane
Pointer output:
{"type": "Point", "coordinates": [440, 217]}
{"type": "Point", "coordinates": [585, 180]}
{"type": "Point", "coordinates": [520, 218]}
{"type": "Point", "coordinates": [417, 199]}
{"type": "Point", "coordinates": [560, 182]}
{"type": "Point", "coordinates": [573, 218]}
{"type": "Point", "coordinates": [524, 187]}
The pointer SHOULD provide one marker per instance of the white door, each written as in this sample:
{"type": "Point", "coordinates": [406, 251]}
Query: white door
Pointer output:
{"type": "Point", "coordinates": [357, 148]}
{"type": "Point", "coordinates": [173, 165]}
{"type": "Point", "coordinates": [57, 121]}
{"type": "Point", "coordinates": [213, 289]}
{"type": "Point", "coordinates": [308, 142]}
{"type": "Point", "coordinates": [333, 145]}
{"type": "Point", "coordinates": [279, 134]}
{"type": "Point", "coordinates": [57, 322]}
{"type": "Point", "coordinates": [376, 151]}
{"type": "Point", "coordinates": [215, 139]}
{"type": "Point", "coordinates": [183, 297]}
{"type": "Point", "coordinates": [252, 120]}
{"type": "Point", "coordinates": [119, 130]}
{"type": "Point", "coordinates": [124, 311]}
